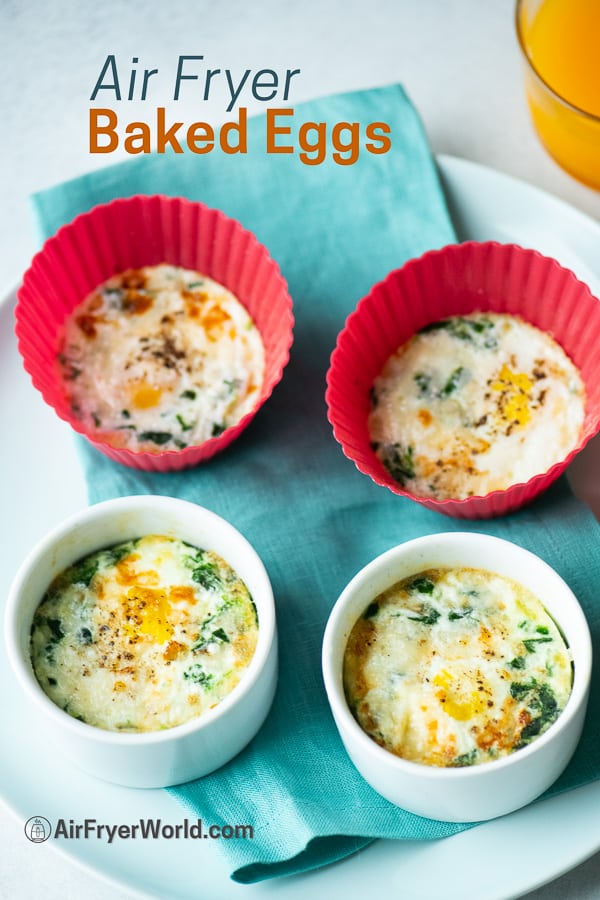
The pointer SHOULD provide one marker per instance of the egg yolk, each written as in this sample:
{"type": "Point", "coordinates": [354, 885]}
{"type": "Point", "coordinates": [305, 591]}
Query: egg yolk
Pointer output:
{"type": "Point", "coordinates": [147, 612]}
{"type": "Point", "coordinates": [457, 696]}
{"type": "Point", "coordinates": [145, 396]}
{"type": "Point", "coordinates": [514, 399]}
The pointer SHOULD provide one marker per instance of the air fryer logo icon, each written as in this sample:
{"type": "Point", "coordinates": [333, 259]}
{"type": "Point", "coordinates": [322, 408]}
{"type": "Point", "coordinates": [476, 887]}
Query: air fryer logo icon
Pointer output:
{"type": "Point", "coordinates": [37, 829]}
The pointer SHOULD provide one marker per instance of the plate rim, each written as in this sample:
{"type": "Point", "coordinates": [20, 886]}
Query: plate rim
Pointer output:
{"type": "Point", "coordinates": [456, 168]}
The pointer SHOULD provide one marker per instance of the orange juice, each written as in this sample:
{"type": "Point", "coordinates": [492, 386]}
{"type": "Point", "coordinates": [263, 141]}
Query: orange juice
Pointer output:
{"type": "Point", "coordinates": [561, 42]}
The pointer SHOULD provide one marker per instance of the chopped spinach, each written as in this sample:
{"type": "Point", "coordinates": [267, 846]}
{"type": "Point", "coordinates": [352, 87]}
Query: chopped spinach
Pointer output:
{"type": "Point", "coordinates": [429, 617]}
{"type": "Point", "coordinates": [55, 626]}
{"type": "Point", "coordinates": [520, 689]}
{"type": "Point", "coordinates": [84, 570]}
{"type": "Point", "coordinates": [84, 636]}
{"type": "Point", "coordinates": [422, 585]}
{"type": "Point", "coordinates": [185, 426]}
{"type": "Point", "coordinates": [479, 331]}
{"type": "Point", "coordinates": [56, 635]}
{"type": "Point", "coordinates": [197, 675]}
{"type": "Point", "coordinates": [479, 325]}
{"type": "Point", "coordinates": [399, 461]}
{"type": "Point", "coordinates": [217, 429]}
{"type": "Point", "coordinates": [441, 325]}
{"type": "Point", "coordinates": [221, 636]}
{"type": "Point", "coordinates": [198, 551]}
{"type": "Point", "coordinates": [119, 552]}
{"type": "Point", "coordinates": [453, 381]}
{"type": "Point", "coordinates": [188, 395]}
{"type": "Point", "coordinates": [49, 652]}
{"type": "Point", "coordinates": [194, 284]}
{"type": "Point", "coordinates": [517, 663]}
{"type": "Point", "coordinates": [156, 437]}
{"type": "Point", "coordinates": [207, 575]}
{"type": "Point", "coordinates": [218, 636]}
{"type": "Point", "coordinates": [423, 381]}
{"type": "Point", "coordinates": [540, 699]}
{"type": "Point", "coordinates": [114, 295]}
{"type": "Point", "coordinates": [371, 610]}
{"type": "Point", "coordinates": [462, 614]}
{"type": "Point", "coordinates": [465, 759]}
{"type": "Point", "coordinates": [530, 643]}
{"type": "Point", "coordinates": [254, 609]}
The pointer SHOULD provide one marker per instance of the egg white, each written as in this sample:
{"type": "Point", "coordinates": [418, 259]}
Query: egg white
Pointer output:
{"type": "Point", "coordinates": [160, 358]}
{"type": "Point", "coordinates": [475, 404]}
{"type": "Point", "coordinates": [456, 667]}
{"type": "Point", "coordinates": [143, 636]}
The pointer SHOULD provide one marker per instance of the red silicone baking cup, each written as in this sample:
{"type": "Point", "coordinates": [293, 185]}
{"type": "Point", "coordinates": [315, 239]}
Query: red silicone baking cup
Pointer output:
{"type": "Point", "coordinates": [457, 280]}
{"type": "Point", "coordinates": [143, 231]}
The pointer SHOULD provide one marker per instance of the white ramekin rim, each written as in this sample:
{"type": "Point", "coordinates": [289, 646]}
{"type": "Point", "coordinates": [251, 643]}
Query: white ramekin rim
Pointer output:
{"type": "Point", "coordinates": [335, 637]}
{"type": "Point", "coordinates": [101, 511]}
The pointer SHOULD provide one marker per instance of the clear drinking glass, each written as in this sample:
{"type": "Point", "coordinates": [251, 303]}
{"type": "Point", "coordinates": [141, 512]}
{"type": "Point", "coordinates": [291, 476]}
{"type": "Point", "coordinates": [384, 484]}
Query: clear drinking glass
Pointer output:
{"type": "Point", "coordinates": [560, 42]}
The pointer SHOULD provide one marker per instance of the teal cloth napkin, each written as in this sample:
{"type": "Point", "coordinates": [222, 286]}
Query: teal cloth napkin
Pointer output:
{"type": "Point", "coordinates": [312, 517]}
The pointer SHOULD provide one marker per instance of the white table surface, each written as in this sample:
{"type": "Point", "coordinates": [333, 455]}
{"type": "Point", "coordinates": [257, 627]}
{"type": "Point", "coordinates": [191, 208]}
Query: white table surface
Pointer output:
{"type": "Point", "coordinates": [458, 60]}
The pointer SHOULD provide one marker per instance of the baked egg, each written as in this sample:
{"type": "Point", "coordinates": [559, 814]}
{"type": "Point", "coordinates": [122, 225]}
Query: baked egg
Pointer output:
{"type": "Point", "coordinates": [474, 404]}
{"type": "Point", "coordinates": [160, 358]}
{"type": "Point", "coordinates": [143, 635]}
{"type": "Point", "coordinates": [456, 667]}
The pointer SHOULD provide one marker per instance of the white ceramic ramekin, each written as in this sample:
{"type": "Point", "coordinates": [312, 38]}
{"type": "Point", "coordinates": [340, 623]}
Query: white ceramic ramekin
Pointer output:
{"type": "Point", "coordinates": [493, 788]}
{"type": "Point", "coordinates": [175, 755]}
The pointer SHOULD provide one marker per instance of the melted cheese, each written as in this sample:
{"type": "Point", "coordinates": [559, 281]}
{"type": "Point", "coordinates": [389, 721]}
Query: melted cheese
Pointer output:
{"type": "Point", "coordinates": [474, 404]}
{"type": "Point", "coordinates": [144, 635]}
{"type": "Point", "coordinates": [160, 358]}
{"type": "Point", "coordinates": [456, 667]}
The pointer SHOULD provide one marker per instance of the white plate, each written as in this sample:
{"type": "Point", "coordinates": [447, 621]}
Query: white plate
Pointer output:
{"type": "Point", "coordinates": [42, 483]}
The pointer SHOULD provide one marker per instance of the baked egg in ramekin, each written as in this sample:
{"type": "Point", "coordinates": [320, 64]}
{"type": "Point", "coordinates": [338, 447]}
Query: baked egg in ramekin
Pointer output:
{"type": "Point", "coordinates": [142, 632]}
{"type": "Point", "coordinates": [457, 696]}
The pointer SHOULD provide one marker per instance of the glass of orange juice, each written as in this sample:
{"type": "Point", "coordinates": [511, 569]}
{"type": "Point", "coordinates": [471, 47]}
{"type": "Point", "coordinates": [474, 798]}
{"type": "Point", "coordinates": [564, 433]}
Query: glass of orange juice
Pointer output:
{"type": "Point", "coordinates": [560, 40]}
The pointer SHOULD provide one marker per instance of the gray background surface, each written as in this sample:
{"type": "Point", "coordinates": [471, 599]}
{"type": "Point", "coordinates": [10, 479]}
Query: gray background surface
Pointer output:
{"type": "Point", "coordinates": [458, 60]}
